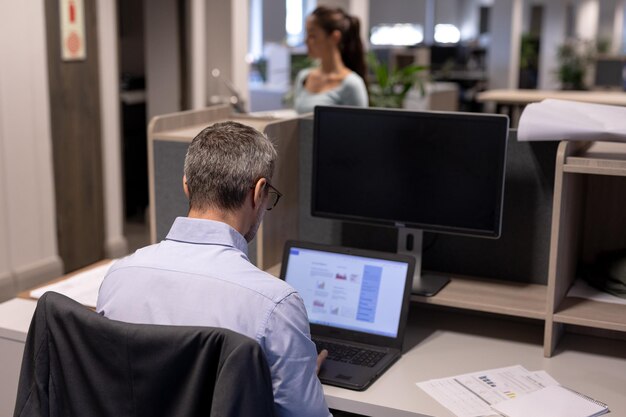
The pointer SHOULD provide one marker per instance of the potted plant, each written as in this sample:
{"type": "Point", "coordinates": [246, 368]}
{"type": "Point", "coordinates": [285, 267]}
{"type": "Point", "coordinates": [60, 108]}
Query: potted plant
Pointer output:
{"type": "Point", "coordinates": [574, 58]}
{"type": "Point", "coordinates": [391, 87]}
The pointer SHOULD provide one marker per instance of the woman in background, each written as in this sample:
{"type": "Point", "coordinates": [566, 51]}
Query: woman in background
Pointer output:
{"type": "Point", "coordinates": [333, 38]}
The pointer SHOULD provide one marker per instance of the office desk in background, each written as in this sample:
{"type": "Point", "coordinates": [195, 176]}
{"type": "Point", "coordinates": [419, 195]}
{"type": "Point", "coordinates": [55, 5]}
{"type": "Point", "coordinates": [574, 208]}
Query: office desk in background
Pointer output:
{"type": "Point", "coordinates": [513, 101]}
{"type": "Point", "coordinates": [439, 343]}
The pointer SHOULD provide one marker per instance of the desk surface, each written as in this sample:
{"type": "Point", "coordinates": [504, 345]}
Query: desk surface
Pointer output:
{"type": "Point", "coordinates": [522, 97]}
{"type": "Point", "coordinates": [15, 317]}
{"type": "Point", "coordinates": [446, 343]}
{"type": "Point", "coordinates": [442, 343]}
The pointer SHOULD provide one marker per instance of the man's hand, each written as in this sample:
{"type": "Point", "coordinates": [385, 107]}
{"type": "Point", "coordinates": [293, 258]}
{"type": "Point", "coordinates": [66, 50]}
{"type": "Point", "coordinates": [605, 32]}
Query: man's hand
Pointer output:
{"type": "Point", "coordinates": [320, 359]}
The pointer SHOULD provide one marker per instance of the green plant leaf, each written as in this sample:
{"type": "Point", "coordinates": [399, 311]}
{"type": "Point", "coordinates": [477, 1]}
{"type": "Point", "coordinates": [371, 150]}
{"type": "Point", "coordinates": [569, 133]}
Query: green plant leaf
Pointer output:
{"type": "Point", "coordinates": [392, 86]}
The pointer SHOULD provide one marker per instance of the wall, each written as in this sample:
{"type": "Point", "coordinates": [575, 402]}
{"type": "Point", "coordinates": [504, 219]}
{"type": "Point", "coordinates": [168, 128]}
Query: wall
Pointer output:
{"type": "Point", "coordinates": [503, 57]}
{"type": "Point", "coordinates": [274, 15]}
{"type": "Point", "coordinates": [239, 30]}
{"type": "Point", "coordinates": [622, 48]}
{"type": "Point", "coordinates": [218, 47]}
{"type": "Point", "coordinates": [196, 35]}
{"type": "Point", "coordinates": [446, 11]}
{"type": "Point", "coordinates": [344, 4]}
{"type": "Point", "coordinates": [227, 26]}
{"type": "Point", "coordinates": [587, 15]}
{"type": "Point", "coordinates": [552, 35]}
{"type": "Point", "coordinates": [28, 247]}
{"type": "Point", "coordinates": [162, 57]}
{"type": "Point", "coordinates": [115, 244]}
{"type": "Point", "coordinates": [618, 27]}
{"type": "Point", "coordinates": [469, 23]}
{"type": "Point", "coordinates": [132, 36]}
{"type": "Point", "coordinates": [397, 11]}
{"type": "Point", "coordinates": [75, 123]}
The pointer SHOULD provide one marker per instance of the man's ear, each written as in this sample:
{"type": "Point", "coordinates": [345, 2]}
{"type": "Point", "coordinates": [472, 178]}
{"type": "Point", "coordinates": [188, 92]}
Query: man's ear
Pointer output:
{"type": "Point", "coordinates": [185, 186]}
{"type": "Point", "coordinates": [258, 196]}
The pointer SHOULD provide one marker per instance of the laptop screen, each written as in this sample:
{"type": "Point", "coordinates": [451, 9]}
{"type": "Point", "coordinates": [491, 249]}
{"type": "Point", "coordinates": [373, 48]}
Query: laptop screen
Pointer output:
{"type": "Point", "coordinates": [351, 292]}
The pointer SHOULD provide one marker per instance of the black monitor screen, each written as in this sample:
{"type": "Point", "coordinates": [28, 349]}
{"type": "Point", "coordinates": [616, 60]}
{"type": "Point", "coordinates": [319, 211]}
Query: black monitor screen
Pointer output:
{"type": "Point", "coordinates": [609, 73]}
{"type": "Point", "coordinates": [443, 57]}
{"type": "Point", "coordinates": [434, 171]}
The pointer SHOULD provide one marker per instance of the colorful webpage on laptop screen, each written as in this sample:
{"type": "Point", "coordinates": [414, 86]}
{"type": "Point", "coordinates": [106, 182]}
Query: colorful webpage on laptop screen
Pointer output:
{"type": "Point", "coordinates": [347, 291]}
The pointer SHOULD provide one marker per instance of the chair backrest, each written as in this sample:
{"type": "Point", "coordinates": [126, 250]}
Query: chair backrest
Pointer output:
{"type": "Point", "coordinates": [79, 363]}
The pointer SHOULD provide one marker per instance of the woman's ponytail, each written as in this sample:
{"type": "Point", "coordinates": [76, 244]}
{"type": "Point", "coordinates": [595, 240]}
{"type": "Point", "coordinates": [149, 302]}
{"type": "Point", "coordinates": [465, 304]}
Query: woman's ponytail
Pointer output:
{"type": "Point", "coordinates": [350, 47]}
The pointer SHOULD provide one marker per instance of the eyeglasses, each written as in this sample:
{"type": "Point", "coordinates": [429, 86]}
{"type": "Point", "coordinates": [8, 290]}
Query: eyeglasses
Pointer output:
{"type": "Point", "coordinates": [273, 196]}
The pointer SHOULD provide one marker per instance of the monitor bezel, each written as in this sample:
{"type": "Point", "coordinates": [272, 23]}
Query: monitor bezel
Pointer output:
{"type": "Point", "coordinates": [493, 233]}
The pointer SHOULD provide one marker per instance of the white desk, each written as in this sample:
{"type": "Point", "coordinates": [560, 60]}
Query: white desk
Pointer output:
{"type": "Point", "coordinates": [438, 344]}
{"type": "Point", "coordinates": [15, 316]}
{"type": "Point", "coordinates": [446, 343]}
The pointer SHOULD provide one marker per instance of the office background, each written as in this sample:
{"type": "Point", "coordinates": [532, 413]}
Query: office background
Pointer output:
{"type": "Point", "coordinates": [73, 186]}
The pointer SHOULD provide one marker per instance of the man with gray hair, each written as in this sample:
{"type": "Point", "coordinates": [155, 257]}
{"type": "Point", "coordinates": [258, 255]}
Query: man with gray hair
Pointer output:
{"type": "Point", "coordinates": [200, 274]}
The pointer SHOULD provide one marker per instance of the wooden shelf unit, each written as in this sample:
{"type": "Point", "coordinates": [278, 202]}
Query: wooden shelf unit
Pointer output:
{"type": "Point", "coordinates": [591, 313]}
{"type": "Point", "coordinates": [491, 296]}
{"type": "Point", "coordinates": [588, 217]}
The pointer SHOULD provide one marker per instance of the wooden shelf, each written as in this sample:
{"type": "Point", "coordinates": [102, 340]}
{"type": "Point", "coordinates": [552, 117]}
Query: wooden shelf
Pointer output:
{"type": "Point", "coordinates": [600, 158]}
{"type": "Point", "coordinates": [590, 313]}
{"type": "Point", "coordinates": [492, 296]}
{"type": "Point", "coordinates": [587, 219]}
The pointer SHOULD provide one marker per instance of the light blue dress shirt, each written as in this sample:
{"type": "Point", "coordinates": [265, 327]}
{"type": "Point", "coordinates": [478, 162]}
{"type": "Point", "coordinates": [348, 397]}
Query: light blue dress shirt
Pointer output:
{"type": "Point", "coordinates": [351, 92]}
{"type": "Point", "coordinates": [200, 275]}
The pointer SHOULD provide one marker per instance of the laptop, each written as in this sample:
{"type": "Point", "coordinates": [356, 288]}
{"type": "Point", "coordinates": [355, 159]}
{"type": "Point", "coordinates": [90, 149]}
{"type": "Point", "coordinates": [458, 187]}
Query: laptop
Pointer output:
{"type": "Point", "coordinates": [357, 302]}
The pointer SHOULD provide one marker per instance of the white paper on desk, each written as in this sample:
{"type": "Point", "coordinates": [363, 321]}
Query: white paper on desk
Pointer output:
{"type": "Point", "coordinates": [581, 289]}
{"type": "Point", "coordinates": [554, 119]}
{"type": "Point", "coordinates": [82, 287]}
{"type": "Point", "coordinates": [554, 401]}
{"type": "Point", "coordinates": [471, 395]}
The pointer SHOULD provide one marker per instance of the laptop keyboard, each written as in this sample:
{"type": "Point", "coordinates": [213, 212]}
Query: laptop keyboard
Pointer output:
{"type": "Point", "coordinates": [349, 354]}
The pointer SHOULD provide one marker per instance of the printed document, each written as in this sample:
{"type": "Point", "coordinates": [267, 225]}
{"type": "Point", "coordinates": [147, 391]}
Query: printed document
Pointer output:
{"type": "Point", "coordinates": [473, 394]}
{"type": "Point", "coordinates": [82, 287]}
{"type": "Point", "coordinates": [554, 119]}
{"type": "Point", "coordinates": [581, 289]}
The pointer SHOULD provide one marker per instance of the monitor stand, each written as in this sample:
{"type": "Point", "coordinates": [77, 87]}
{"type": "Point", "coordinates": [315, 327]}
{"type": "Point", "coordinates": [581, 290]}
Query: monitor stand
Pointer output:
{"type": "Point", "coordinates": [410, 243]}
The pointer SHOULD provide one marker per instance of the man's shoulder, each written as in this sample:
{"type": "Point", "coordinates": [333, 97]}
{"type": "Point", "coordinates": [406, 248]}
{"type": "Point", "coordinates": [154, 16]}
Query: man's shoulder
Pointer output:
{"type": "Point", "coordinates": [267, 285]}
{"type": "Point", "coordinates": [227, 270]}
{"type": "Point", "coordinates": [141, 257]}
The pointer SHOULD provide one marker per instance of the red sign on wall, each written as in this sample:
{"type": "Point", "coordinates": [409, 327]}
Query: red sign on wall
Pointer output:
{"type": "Point", "coordinates": [73, 47]}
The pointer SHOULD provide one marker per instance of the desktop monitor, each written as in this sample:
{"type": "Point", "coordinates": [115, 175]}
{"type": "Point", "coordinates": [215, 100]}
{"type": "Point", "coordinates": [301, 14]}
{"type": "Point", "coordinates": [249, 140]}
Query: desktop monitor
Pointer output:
{"type": "Point", "coordinates": [417, 171]}
{"type": "Point", "coordinates": [444, 57]}
{"type": "Point", "coordinates": [609, 73]}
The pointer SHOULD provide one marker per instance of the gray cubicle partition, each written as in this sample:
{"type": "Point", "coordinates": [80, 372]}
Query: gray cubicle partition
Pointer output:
{"type": "Point", "coordinates": [311, 228]}
{"type": "Point", "coordinates": [170, 199]}
{"type": "Point", "coordinates": [522, 252]}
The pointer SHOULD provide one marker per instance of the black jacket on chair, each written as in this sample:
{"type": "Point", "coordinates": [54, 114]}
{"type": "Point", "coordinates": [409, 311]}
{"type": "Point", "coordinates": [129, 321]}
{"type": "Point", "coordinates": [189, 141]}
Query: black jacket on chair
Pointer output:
{"type": "Point", "coordinates": [78, 363]}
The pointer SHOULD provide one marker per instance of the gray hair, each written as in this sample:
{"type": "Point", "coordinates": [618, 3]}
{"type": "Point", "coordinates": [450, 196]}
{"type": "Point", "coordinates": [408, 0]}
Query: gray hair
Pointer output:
{"type": "Point", "coordinates": [223, 162]}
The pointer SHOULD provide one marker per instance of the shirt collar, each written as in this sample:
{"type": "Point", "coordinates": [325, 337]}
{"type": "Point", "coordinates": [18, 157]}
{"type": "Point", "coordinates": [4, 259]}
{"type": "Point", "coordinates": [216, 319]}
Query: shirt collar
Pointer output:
{"type": "Point", "coordinates": [206, 232]}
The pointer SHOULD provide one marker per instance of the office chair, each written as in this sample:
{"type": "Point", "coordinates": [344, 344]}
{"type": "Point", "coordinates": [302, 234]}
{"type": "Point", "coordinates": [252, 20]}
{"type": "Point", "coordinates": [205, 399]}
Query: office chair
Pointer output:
{"type": "Point", "coordinates": [79, 363]}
